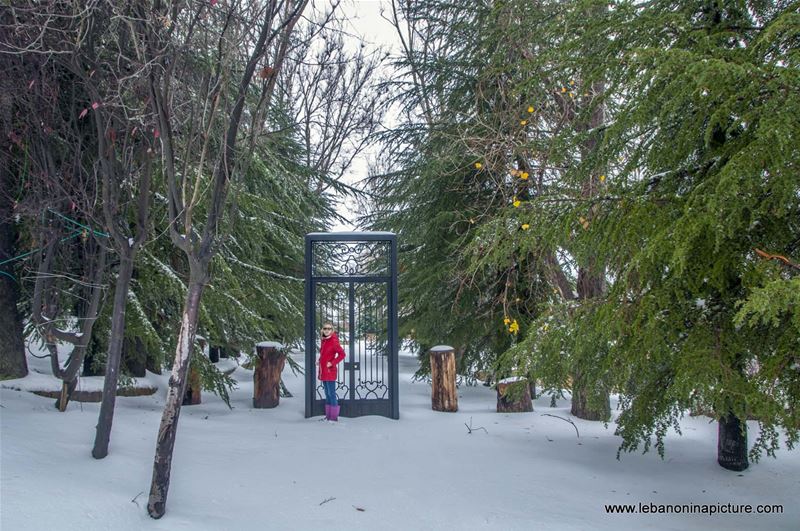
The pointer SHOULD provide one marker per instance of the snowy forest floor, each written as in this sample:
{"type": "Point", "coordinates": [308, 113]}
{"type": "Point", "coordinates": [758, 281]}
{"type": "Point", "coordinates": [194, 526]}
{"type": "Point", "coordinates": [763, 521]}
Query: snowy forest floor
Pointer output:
{"type": "Point", "coordinates": [248, 469]}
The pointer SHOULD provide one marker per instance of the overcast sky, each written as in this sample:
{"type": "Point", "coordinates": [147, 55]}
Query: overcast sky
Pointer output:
{"type": "Point", "coordinates": [367, 23]}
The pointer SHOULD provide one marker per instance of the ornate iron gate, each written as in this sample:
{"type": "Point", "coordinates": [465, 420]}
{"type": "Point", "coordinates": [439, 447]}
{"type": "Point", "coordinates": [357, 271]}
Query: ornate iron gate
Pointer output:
{"type": "Point", "coordinates": [351, 281]}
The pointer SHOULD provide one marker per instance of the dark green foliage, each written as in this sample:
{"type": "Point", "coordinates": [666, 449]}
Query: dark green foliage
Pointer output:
{"type": "Point", "coordinates": [663, 150]}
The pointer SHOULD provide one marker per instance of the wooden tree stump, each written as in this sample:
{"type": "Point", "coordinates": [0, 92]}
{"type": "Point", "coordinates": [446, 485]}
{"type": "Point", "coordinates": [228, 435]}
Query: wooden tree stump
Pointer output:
{"type": "Point", "coordinates": [520, 404]}
{"type": "Point", "coordinates": [443, 379]}
{"type": "Point", "coordinates": [732, 443]}
{"type": "Point", "coordinates": [267, 374]}
{"type": "Point", "coordinates": [193, 387]}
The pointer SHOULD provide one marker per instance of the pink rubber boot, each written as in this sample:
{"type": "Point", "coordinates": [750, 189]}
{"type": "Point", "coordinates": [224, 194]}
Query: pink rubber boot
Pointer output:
{"type": "Point", "coordinates": [334, 416]}
{"type": "Point", "coordinates": [327, 412]}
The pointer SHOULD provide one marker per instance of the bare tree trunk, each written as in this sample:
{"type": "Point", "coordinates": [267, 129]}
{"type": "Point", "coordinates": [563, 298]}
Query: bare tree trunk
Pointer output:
{"type": "Point", "coordinates": [159, 486]}
{"type": "Point", "coordinates": [590, 402]}
{"type": "Point", "coordinates": [45, 301]}
{"type": "Point", "coordinates": [106, 418]}
{"type": "Point", "coordinates": [12, 347]}
{"type": "Point", "coordinates": [199, 243]}
{"type": "Point", "coordinates": [732, 443]}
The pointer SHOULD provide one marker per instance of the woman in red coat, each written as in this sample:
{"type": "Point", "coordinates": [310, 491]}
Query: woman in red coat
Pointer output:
{"type": "Point", "coordinates": [331, 353]}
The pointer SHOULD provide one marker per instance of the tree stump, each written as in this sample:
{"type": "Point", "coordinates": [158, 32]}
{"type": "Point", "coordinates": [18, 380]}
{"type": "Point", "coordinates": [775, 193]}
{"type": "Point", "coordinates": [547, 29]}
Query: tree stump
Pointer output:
{"type": "Point", "coordinates": [518, 404]}
{"type": "Point", "coordinates": [270, 360]}
{"type": "Point", "coordinates": [193, 387]}
{"type": "Point", "coordinates": [443, 379]}
{"type": "Point", "coordinates": [732, 443]}
{"type": "Point", "coordinates": [213, 354]}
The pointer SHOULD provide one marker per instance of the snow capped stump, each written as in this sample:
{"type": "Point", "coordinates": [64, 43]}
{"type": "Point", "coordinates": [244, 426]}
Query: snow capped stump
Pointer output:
{"type": "Point", "coordinates": [519, 404]}
{"type": "Point", "coordinates": [443, 379]}
{"type": "Point", "coordinates": [270, 359]}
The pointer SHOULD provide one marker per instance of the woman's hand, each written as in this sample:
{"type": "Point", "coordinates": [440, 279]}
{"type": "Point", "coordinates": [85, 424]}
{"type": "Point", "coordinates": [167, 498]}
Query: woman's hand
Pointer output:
{"type": "Point", "coordinates": [328, 364]}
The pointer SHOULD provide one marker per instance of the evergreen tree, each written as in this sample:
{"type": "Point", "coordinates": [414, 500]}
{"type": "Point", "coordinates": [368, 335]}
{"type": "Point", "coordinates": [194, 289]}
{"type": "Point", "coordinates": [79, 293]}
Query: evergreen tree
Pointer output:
{"type": "Point", "coordinates": [701, 164]}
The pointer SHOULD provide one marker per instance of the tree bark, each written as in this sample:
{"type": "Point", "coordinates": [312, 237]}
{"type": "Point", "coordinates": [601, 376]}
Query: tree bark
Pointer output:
{"type": "Point", "coordinates": [103, 434]}
{"type": "Point", "coordinates": [521, 404]}
{"type": "Point", "coordinates": [134, 357]}
{"type": "Point", "coordinates": [12, 345]}
{"type": "Point", "coordinates": [732, 443]}
{"type": "Point", "coordinates": [444, 396]}
{"type": "Point", "coordinates": [193, 395]}
{"type": "Point", "coordinates": [197, 243]}
{"type": "Point", "coordinates": [590, 284]}
{"type": "Point", "coordinates": [168, 429]}
{"type": "Point", "coordinates": [267, 377]}
{"type": "Point", "coordinates": [43, 297]}
{"type": "Point", "coordinates": [583, 398]}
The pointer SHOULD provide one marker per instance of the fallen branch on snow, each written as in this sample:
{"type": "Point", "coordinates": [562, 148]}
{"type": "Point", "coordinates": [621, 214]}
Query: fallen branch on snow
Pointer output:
{"type": "Point", "coordinates": [470, 429]}
{"type": "Point", "coordinates": [565, 420]}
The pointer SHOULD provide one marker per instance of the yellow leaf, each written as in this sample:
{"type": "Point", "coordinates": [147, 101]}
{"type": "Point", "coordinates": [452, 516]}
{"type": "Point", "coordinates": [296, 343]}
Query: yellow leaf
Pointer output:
{"type": "Point", "coordinates": [572, 82]}
{"type": "Point", "coordinates": [531, 109]}
{"type": "Point", "coordinates": [525, 226]}
{"type": "Point", "coordinates": [563, 90]}
{"type": "Point", "coordinates": [478, 165]}
{"type": "Point", "coordinates": [506, 321]}
{"type": "Point", "coordinates": [523, 122]}
{"type": "Point", "coordinates": [524, 176]}
{"type": "Point", "coordinates": [602, 178]}
{"type": "Point", "coordinates": [516, 203]}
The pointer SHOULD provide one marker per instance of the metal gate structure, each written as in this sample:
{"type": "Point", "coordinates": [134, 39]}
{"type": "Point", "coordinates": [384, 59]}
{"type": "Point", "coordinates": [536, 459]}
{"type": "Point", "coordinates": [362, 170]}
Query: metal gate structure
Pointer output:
{"type": "Point", "coordinates": [351, 281]}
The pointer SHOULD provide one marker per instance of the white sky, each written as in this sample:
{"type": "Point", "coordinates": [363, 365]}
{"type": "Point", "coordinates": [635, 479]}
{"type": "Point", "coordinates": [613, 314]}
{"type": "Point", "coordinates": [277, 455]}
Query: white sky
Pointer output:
{"type": "Point", "coordinates": [366, 22]}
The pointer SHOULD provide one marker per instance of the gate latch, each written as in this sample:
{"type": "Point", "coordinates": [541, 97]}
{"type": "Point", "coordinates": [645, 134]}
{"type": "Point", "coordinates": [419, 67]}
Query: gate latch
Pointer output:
{"type": "Point", "coordinates": [355, 365]}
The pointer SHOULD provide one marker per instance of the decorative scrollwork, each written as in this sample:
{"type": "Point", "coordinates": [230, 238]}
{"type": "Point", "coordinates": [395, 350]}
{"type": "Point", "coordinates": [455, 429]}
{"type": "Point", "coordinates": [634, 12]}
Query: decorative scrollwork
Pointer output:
{"type": "Point", "coordinates": [371, 389]}
{"type": "Point", "coordinates": [346, 258]}
{"type": "Point", "coordinates": [342, 390]}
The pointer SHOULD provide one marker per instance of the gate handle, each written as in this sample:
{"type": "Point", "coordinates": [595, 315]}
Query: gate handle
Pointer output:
{"type": "Point", "coordinates": [355, 365]}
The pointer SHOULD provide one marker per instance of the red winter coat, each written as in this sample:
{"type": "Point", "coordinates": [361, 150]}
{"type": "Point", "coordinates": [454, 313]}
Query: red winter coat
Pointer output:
{"type": "Point", "coordinates": [330, 351]}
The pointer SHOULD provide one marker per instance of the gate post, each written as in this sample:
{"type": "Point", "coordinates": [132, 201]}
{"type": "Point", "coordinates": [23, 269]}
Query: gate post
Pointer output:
{"type": "Point", "coordinates": [443, 379]}
{"type": "Point", "coordinates": [267, 374]}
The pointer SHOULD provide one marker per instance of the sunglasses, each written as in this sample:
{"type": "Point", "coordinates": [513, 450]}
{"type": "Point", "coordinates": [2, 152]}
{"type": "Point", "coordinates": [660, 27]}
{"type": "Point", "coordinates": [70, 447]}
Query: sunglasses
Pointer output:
{"type": "Point", "coordinates": [327, 328]}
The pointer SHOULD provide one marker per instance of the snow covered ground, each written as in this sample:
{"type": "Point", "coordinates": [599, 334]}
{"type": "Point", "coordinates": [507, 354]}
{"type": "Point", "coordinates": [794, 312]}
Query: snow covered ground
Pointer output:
{"type": "Point", "coordinates": [248, 469]}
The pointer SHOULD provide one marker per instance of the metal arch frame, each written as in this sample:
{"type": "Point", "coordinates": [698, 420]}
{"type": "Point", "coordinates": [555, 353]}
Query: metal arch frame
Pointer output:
{"type": "Point", "coordinates": [314, 407]}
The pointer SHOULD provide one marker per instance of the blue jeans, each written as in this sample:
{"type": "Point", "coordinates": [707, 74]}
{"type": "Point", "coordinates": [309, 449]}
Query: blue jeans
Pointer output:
{"type": "Point", "coordinates": [330, 393]}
